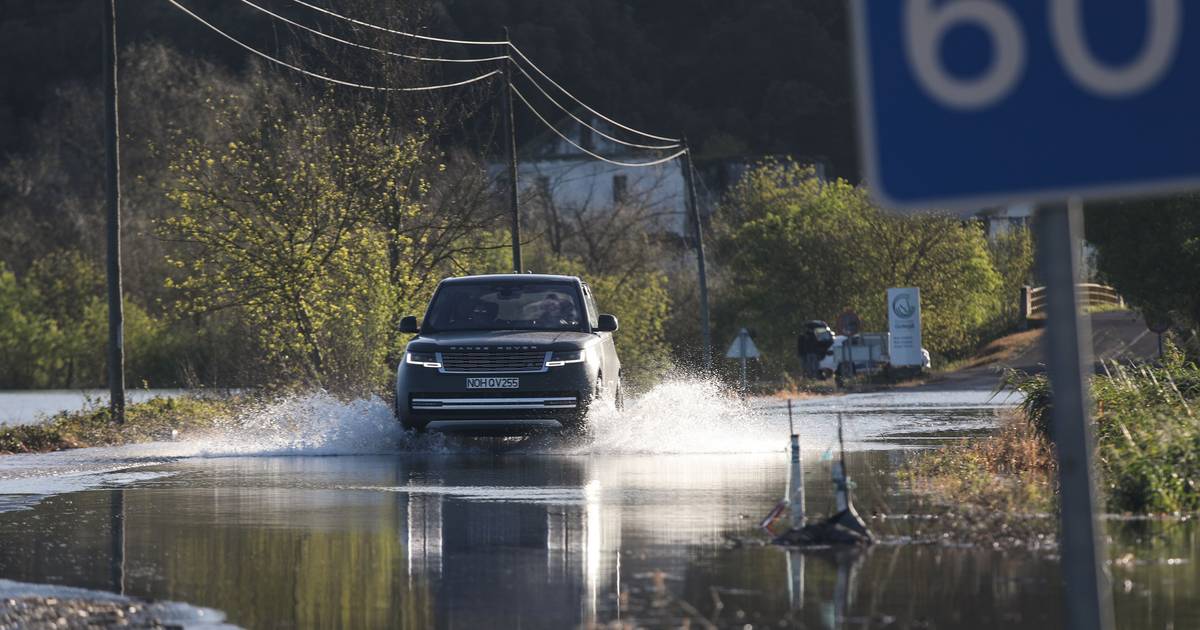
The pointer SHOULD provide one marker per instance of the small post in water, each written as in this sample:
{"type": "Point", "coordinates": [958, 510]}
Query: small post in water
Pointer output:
{"type": "Point", "coordinates": [795, 477]}
{"type": "Point", "coordinates": [846, 515]}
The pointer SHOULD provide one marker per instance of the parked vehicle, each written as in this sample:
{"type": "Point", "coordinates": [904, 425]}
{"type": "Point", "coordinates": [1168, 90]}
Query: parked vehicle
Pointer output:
{"type": "Point", "coordinates": [507, 354]}
{"type": "Point", "coordinates": [866, 353]}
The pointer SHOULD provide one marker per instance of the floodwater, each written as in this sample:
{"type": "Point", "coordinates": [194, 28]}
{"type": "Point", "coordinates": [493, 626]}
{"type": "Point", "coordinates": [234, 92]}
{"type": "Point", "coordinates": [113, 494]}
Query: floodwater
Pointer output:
{"type": "Point", "coordinates": [27, 406]}
{"type": "Point", "coordinates": [316, 513]}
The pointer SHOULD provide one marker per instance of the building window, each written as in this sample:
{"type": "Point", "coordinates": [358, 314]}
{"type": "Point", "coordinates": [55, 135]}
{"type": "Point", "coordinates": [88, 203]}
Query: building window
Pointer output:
{"type": "Point", "coordinates": [620, 188]}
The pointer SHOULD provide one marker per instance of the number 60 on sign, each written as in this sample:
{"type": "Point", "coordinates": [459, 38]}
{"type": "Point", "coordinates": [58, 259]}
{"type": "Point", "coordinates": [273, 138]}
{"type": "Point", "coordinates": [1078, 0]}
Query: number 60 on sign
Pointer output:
{"type": "Point", "coordinates": [973, 102]}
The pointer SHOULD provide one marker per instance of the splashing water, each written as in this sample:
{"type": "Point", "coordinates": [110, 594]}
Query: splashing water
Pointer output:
{"type": "Point", "coordinates": [682, 416]}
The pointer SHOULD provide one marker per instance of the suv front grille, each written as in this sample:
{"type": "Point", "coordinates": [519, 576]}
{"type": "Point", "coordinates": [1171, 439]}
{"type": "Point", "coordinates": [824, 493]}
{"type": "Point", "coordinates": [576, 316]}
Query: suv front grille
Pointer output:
{"type": "Point", "coordinates": [493, 361]}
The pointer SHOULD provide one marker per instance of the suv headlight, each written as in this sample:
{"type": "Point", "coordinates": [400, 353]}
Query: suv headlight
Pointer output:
{"type": "Point", "coordinates": [558, 359]}
{"type": "Point", "coordinates": [424, 359]}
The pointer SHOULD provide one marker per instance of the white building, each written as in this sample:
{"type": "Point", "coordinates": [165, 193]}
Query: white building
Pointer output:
{"type": "Point", "coordinates": [554, 176]}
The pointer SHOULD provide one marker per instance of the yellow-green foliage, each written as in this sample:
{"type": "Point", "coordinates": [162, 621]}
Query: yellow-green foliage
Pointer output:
{"type": "Point", "coordinates": [293, 225]}
{"type": "Point", "coordinates": [793, 248]}
{"type": "Point", "coordinates": [54, 326]}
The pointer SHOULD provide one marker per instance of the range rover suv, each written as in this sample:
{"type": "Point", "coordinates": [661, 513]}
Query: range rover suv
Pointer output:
{"type": "Point", "coordinates": [506, 355]}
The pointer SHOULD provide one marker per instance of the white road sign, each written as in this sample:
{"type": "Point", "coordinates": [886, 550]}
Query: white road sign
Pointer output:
{"type": "Point", "coordinates": [904, 322]}
{"type": "Point", "coordinates": [743, 347]}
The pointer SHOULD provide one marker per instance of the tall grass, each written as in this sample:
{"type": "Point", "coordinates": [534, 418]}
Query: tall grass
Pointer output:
{"type": "Point", "coordinates": [1147, 431]}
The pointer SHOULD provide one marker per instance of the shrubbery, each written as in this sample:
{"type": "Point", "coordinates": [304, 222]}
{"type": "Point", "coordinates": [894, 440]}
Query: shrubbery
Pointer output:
{"type": "Point", "coordinates": [790, 248]}
{"type": "Point", "coordinates": [1147, 432]}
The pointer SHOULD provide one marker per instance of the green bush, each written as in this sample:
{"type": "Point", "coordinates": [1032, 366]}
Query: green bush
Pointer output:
{"type": "Point", "coordinates": [791, 248]}
{"type": "Point", "coordinates": [1147, 432]}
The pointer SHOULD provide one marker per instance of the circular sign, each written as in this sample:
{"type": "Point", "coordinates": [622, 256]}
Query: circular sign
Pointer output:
{"type": "Point", "coordinates": [848, 323]}
{"type": "Point", "coordinates": [1158, 324]}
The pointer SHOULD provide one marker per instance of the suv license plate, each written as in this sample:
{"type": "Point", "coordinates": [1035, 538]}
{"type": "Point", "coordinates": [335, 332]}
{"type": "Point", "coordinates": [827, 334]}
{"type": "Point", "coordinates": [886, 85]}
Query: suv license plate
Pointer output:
{"type": "Point", "coordinates": [494, 383]}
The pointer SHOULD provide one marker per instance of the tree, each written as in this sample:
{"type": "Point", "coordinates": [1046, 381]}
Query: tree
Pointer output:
{"type": "Point", "coordinates": [280, 225]}
{"type": "Point", "coordinates": [792, 248]}
{"type": "Point", "coordinates": [1149, 251]}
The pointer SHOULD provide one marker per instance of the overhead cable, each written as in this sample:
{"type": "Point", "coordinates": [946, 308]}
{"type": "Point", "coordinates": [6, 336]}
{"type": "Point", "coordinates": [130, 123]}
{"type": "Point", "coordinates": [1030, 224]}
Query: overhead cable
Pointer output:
{"type": "Point", "coordinates": [396, 32]}
{"type": "Point", "coordinates": [576, 99]}
{"type": "Point", "coordinates": [580, 120]}
{"type": "Point", "coordinates": [339, 40]}
{"type": "Point", "coordinates": [591, 153]}
{"type": "Point", "coordinates": [423, 88]}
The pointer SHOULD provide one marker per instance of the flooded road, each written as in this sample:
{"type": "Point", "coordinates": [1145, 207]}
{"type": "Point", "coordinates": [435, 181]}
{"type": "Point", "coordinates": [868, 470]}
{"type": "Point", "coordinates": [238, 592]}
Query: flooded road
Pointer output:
{"type": "Point", "coordinates": [315, 513]}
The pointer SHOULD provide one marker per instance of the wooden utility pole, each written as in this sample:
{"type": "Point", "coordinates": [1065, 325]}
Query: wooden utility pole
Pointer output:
{"type": "Point", "coordinates": [698, 236]}
{"type": "Point", "coordinates": [510, 149]}
{"type": "Point", "coordinates": [112, 181]}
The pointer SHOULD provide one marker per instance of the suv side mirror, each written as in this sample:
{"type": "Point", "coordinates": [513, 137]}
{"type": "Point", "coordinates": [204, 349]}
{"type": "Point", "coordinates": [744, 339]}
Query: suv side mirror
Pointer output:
{"type": "Point", "coordinates": [607, 323]}
{"type": "Point", "coordinates": [409, 325]}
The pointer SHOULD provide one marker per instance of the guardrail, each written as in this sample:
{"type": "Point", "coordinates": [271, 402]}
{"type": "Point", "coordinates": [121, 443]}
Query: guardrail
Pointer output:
{"type": "Point", "coordinates": [1033, 299]}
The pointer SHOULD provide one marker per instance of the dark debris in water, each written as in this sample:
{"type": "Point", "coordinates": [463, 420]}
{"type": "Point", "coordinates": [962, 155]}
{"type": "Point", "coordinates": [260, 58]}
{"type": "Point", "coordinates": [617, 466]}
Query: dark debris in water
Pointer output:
{"type": "Point", "coordinates": [823, 533]}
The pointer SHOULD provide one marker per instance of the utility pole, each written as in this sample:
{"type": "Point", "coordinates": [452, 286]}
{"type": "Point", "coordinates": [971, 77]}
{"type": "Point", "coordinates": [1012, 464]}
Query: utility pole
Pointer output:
{"type": "Point", "coordinates": [510, 148]}
{"type": "Point", "coordinates": [698, 234]}
{"type": "Point", "coordinates": [112, 180]}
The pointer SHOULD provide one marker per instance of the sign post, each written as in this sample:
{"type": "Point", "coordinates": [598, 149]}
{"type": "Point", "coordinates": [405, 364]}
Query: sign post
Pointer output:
{"type": "Point", "coordinates": [969, 104]}
{"type": "Point", "coordinates": [743, 348]}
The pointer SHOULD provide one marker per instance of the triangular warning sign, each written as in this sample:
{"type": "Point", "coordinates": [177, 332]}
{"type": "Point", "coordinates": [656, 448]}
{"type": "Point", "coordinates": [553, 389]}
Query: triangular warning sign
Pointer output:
{"type": "Point", "coordinates": [742, 347]}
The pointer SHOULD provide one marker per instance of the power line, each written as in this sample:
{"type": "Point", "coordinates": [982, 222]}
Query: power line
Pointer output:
{"type": "Point", "coordinates": [576, 99]}
{"type": "Point", "coordinates": [423, 88]}
{"type": "Point", "coordinates": [511, 45]}
{"type": "Point", "coordinates": [572, 142]}
{"type": "Point", "coordinates": [580, 121]}
{"type": "Point", "coordinates": [339, 40]}
{"type": "Point", "coordinates": [395, 32]}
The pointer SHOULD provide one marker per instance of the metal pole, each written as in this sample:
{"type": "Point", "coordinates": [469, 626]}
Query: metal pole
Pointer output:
{"type": "Point", "coordinates": [841, 485]}
{"type": "Point", "coordinates": [1068, 358]}
{"type": "Point", "coordinates": [510, 148]}
{"type": "Point", "coordinates": [698, 235]}
{"type": "Point", "coordinates": [795, 478]}
{"type": "Point", "coordinates": [742, 351]}
{"type": "Point", "coordinates": [112, 180]}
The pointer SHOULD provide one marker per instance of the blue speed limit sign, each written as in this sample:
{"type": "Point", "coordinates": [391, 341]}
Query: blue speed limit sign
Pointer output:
{"type": "Point", "coordinates": [968, 103]}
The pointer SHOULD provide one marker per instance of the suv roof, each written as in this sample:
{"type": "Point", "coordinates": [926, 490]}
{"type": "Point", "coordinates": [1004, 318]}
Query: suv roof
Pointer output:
{"type": "Point", "coordinates": [512, 277]}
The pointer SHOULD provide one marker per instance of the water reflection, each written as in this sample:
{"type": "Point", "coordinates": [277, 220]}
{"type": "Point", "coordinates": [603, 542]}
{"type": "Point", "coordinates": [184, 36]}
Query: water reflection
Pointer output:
{"type": "Point", "coordinates": [481, 540]}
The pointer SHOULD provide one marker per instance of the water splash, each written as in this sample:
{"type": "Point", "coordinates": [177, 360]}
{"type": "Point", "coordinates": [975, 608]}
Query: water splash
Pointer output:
{"type": "Point", "coordinates": [683, 416]}
{"type": "Point", "coordinates": [680, 416]}
{"type": "Point", "coordinates": [312, 424]}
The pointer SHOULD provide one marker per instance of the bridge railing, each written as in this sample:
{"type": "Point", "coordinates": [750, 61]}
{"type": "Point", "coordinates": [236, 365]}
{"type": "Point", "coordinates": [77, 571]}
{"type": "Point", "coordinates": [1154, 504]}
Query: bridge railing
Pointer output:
{"type": "Point", "coordinates": [1033, 299]}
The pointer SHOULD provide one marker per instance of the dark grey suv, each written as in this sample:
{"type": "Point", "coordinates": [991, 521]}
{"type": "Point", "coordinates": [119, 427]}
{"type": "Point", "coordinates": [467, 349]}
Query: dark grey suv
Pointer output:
{"type": "Point", "coordinates": [507, 354]}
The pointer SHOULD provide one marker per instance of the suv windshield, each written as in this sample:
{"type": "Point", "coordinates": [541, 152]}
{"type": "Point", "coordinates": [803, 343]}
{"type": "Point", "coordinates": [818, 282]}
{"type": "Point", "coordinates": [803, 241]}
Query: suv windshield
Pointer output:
{"type": "Point", "coordinates": [505, 306]}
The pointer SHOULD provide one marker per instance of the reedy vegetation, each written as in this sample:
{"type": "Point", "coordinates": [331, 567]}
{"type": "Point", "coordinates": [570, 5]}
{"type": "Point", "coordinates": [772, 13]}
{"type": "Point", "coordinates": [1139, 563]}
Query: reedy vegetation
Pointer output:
{"type": "Point", "coordinates": [1147, 434]}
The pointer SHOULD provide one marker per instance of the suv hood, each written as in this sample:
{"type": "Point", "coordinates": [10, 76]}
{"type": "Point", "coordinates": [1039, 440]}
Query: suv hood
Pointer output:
{"type": "Point", "coordinates": [535, 340]}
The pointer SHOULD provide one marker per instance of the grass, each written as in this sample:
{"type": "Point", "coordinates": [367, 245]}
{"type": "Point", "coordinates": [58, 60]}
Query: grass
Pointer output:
{"type": "Point", "coordinates": [1011, 471]}
{"type": "Point", "coordinates": [1002, 350]}
{"type": "Point", "coordinates": [147, 421]}
{"type": "Point", "coordinates": [1147, 435]}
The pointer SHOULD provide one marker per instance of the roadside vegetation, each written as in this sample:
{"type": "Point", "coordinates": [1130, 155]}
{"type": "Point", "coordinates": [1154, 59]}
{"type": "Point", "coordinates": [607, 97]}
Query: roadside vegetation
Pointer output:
{"type": "Point", "coordinates": [791, 248]}
{"type": "Point", "coordinates": [276, 231]}
{"type": "Point", "coordinates": [152, 420]}
{"type": "Point", "coordinates": [1148, 446]}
